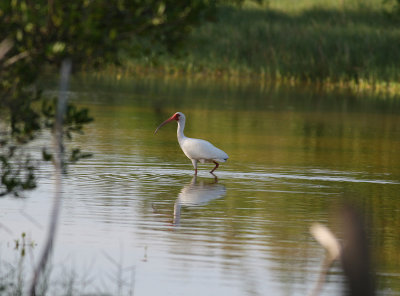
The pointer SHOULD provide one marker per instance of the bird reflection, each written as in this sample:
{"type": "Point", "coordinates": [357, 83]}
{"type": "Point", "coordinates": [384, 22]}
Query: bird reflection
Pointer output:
{"type": "Point", "coordinates": [197, 194]}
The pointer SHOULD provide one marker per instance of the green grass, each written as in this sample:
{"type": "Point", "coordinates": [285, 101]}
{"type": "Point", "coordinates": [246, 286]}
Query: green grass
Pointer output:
{"type": "Point", "coordinates": [335, 43]}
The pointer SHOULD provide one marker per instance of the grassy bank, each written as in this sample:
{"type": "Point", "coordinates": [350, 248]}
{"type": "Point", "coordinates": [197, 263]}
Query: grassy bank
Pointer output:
{"type": "Point", "coordinates": [335, 43]}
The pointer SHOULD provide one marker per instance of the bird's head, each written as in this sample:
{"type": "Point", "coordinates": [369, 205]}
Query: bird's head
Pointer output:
{"type": "Point", "coordinates": [178, 116]}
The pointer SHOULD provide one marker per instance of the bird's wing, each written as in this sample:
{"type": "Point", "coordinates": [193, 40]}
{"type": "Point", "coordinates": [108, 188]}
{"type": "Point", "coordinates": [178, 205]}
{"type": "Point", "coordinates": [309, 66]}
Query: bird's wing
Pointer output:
{"type": "Point", "coordinates": [201, 149]}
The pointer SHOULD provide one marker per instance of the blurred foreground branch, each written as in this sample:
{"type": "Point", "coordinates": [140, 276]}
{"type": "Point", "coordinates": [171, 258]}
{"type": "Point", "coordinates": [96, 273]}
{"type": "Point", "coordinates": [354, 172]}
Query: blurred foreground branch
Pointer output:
{"type": "Point", "coordinates": [38, 35]}
{"type": "Point", "coordinates": [353, 253]}
{"type": "Point", "coordinates": [58, 164]}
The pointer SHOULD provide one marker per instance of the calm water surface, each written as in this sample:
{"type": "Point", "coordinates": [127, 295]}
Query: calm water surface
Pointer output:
{"type": "Point", "coordinates": [135, 221]}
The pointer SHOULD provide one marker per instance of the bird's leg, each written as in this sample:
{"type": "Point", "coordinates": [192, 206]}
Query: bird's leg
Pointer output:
{"type": "Point", "coordinates": [194, 162]}
{"type": "Point", "coordinates": [216, 166]}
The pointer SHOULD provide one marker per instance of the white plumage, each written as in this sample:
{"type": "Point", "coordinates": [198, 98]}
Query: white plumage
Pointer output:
{"type": "Point", "coordinates": [196, 150]}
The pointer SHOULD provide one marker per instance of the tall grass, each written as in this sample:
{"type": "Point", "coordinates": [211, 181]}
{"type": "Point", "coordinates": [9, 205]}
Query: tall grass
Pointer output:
{"type": "Point", "coordinates": [330, 42]}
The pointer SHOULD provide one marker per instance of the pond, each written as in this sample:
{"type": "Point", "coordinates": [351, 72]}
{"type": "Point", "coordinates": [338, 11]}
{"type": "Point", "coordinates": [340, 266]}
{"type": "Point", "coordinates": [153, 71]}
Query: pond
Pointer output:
{"type": "Point", "coordinates": [135, 221]}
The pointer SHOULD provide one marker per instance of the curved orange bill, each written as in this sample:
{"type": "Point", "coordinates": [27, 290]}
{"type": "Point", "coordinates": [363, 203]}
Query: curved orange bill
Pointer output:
{"type": "Point", "coordinates": [164, 123]}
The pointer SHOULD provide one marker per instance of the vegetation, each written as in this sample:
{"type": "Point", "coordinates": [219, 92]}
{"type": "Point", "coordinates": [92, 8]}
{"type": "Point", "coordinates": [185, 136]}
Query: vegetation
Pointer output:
{"type": "Point", "coordinates": [87, 34]}
{"type": "Point", "coordinates": [340, 43]}
{"type": "Point", "coordinates": [330, 43]}
{"type": "Point", "coordinates": [334, 43]}
{"type": "Point", "coordinates": [90, 33]}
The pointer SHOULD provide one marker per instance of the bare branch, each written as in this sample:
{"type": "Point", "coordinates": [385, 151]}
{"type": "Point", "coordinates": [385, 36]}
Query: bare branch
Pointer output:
{"type": "Point", "coordinates": [16, 58]}
{"type": "Point", "coordinates": [5, 47]}
{"type": "Point", "coordinates": [58, 163]}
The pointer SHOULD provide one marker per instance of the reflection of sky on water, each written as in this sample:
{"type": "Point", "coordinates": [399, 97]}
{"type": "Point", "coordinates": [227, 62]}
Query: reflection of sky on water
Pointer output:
{"type": "Point", "coordinates": [246, 234]}
{"type": "Point", "coordinates": [126, 212]}
{"type": "Point", "coordinates": [129, 217]}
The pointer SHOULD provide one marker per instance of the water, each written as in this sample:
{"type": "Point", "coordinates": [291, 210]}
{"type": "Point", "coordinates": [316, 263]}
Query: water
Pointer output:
{"type": "Point", "coordinates": [135, 221]}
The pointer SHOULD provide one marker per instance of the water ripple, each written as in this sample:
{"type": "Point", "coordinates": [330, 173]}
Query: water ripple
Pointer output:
{"type": "Point", "coordinates": [150, 172]}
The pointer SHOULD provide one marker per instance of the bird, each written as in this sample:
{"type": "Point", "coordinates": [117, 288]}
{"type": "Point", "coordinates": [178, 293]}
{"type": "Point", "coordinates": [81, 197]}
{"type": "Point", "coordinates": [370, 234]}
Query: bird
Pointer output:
{"type": "Point", "coordinates": [196, 150]}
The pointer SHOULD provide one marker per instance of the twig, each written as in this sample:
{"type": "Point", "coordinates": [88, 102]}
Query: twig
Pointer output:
{"type": "Point", "coordinates": [31, 219]}
{"type": "Point", "coordinates": [331, 244]}
{"type": "Point", "coordinates": [16, 58]}
{"type": "Point", "coordinates": [58, 164]}
{"type": "Point", "coordinates": [6, 228]}
{"type": "Point", "coordinates": [5, 47]}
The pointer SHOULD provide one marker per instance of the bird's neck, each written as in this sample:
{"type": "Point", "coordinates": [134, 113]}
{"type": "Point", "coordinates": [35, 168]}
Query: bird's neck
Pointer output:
{"type": "Point", "coordinates": [179, 131]}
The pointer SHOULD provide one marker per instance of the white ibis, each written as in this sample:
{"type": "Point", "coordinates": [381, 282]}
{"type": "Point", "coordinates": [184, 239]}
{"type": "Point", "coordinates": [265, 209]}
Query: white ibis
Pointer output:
{"type": "Point", "coordinates": [196, 149]}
